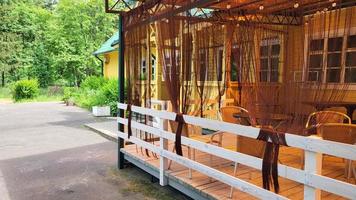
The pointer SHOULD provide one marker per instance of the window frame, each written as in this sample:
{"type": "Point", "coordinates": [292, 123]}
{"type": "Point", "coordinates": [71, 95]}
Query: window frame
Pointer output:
{"type": "Point", "coordinates": [269, 43]}
{"type": "Point", "coordinates": [325, 52]}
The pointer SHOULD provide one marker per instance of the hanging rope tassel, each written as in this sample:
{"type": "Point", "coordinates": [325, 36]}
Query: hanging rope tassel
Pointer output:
{"type": "Point", "coordinates": [270, 157]}
{"type": "Point", "coordinates": [129, 118]}
{"type": "Point", "coordinates": [178, 142]}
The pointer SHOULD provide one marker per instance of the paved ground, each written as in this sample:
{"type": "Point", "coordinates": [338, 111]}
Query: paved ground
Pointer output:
{"type": "Point", "coordinates": [46, 153]}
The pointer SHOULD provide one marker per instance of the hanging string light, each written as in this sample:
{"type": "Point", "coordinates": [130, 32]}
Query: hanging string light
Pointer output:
{"type": "Point", "coordinates": [296, 4]}
{"type": "Point", "coordinates": [261, 7]}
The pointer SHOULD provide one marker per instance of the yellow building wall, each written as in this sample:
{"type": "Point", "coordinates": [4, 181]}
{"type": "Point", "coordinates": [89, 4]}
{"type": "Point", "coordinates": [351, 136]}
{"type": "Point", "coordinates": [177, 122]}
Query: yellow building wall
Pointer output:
{"type": "Point", "coordinates": [111, 64]}
{"type": "Point", "coordinates": [295, 45]}
{"type": "Point", "coordinates": [335, 21]}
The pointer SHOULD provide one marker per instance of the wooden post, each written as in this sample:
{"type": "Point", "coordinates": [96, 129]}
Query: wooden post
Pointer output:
{"type": "Point", "coordinates": [163, 144]}
{"type": "Point", "coordinates": [121, 82]}
{"type": "Point", "coordinates": [313, 164]}
{"type": "Point", "coordinates": [159, 65]}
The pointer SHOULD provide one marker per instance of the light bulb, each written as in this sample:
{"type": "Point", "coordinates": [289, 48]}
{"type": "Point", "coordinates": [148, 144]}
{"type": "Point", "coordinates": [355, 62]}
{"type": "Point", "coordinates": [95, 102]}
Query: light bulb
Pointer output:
{"type": "Point", "coordinates": [261, 7]}
{"type": "Point", "coordinates": [296, 5]}
{"type": "Point", "coordinates": [334, 4]}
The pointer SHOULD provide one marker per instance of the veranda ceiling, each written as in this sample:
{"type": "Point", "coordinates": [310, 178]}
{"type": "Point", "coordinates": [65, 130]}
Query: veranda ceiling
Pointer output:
{"type": "Point", "coordinates": [282, 12]}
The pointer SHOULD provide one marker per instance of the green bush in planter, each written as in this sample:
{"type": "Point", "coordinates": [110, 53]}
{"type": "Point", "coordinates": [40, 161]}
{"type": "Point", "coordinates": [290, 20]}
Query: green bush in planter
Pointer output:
{"type": "Point", "coordinates": [25, 89]}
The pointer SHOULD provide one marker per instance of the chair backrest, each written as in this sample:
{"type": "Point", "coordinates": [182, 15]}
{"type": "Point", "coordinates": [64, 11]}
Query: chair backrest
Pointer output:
{"type": "Point", "coordinates": [245, 145]}
{"type": "Point", "coordinates": [322, 117]}
{"type": "Point", "coordinates": [250, 146]}
{"type": "Point", "coordinates": [227, 115]}
{"type": "Point", "coordinates": [344, 133]}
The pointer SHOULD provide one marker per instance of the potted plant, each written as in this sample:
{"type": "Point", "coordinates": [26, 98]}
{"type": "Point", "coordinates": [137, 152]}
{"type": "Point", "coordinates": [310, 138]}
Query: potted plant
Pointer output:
{"type": "Point", "coordinates": [101, 109]}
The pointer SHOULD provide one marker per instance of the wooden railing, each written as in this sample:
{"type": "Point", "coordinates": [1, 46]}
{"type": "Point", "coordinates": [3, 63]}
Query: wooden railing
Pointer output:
{"type": "Point", "coordinates": [313, 147]}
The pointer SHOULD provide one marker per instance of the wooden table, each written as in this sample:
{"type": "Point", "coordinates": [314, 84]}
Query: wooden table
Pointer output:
{"type": "Point", "coordinates": [279, 118]}
{"type": "Point", "coordinates": [321, 105]}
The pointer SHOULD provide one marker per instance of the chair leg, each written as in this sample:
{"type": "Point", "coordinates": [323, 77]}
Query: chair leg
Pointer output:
{"type": "Point", "coordinates": [211, 165]}
{"type": "Point", "coordinates": [190, 170]}
{"type": "Point", "coordinates": [193, 154]}
{"type": "Point", "coordinates": [349, 166]}
{"type": "Point", "coordinates": [170, 161]}
{"type": "Point", "coordinates": [232, 188]}
{"type": "Point", "coordinates": [353, 170]}
{"type": "Point", "coordinates": [302, 160]}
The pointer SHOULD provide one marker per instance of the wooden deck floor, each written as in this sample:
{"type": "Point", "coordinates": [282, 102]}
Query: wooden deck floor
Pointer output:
{"type": "Point", "coordinates": [332, 167]}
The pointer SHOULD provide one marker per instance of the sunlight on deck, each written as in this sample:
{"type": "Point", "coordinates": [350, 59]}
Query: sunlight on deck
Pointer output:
{"type": "Point", "coordinates": [332, 167]}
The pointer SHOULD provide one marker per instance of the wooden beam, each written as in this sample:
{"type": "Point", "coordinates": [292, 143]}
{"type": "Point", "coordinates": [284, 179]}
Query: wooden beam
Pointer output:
{"type": "Point", "coordinates": [172, 12]}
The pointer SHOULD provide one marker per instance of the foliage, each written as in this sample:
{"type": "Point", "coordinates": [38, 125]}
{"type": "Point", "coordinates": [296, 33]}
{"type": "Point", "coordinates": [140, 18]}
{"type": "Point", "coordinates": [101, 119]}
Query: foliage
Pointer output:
{"type": "Point", "coordinates": [110, 92]}
{"type": "Point", "coordinates": [93, 82]}
{"type": "Point", "coordinates": [51, 40]}
{"type": "Point", "coordinates": [68, 93]}
{"type": "Point", "coordinates": [25, 89]}
{"type": "Point", "coordinates": [80, 28]}
{"type": "Point", "coordinates": [94, 91]}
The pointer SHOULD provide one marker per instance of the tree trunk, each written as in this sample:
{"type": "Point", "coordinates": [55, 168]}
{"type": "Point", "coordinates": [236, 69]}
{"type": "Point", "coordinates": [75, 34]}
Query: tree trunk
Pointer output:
{"type": "Point", "coordinates": [3, 79]}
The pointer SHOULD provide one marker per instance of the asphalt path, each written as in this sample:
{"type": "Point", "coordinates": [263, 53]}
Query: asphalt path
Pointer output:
{"type": "Point", "coordinates": [46, 153]}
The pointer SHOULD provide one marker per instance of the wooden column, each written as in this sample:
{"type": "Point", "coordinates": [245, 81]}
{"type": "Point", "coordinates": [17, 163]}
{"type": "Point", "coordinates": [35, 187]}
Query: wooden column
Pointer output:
{"type": "Point", "coordinates": [121, 82]}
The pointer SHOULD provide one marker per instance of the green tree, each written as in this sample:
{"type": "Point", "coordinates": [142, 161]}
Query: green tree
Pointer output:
{"type": "Point", "coordinates": [52, 40]}
{"type": "Point", "coordinates": [9, 42]}
{"type": "Point", "coordinates": [81, 27]}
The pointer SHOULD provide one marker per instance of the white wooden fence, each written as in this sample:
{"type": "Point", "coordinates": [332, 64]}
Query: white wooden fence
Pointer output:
{"type": "Point", "coordinates": [311, 175]}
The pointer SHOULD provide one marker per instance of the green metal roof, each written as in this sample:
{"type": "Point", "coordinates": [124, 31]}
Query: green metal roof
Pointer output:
{"type": "Point", "coordinates": [108, 45]}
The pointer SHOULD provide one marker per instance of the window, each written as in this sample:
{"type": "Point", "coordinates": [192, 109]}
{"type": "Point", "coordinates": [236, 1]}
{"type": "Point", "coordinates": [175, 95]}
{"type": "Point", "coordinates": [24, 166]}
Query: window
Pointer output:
{"type": "Point", "coordinates": [169, 59]}
{"type": "Point", "coordinates": [219, 64]}
{"type": "Point", "coordinates": [207, 68]}
{"type": "Point", "coordinates": [333, 67]}
{"type": "Point", "coordinates": [235, 63]}
{"type": "Point", "coordinates": [315, 60]}
{"type": "Point", "coordinates": [325, 61]}
{"type": "Point", "coordinates": [153, 64]}
{"type": "Point", "coordinates": [203, 65]}
{"type": "Point", "coordinates": [144, 66]}
{"type": "Point", "coordinates": [269, 60]}
{"type": "Point", "coordinates": [350, 62]}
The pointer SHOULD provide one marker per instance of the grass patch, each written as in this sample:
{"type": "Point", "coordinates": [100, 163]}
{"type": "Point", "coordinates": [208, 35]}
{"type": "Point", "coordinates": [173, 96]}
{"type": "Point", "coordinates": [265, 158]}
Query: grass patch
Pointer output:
{"type": "Point", "coordinates": [5, 93]}
{"type": "Point", "coordinates": [134, 181]}
{"type": "Point", "coordinates": [45, 95]}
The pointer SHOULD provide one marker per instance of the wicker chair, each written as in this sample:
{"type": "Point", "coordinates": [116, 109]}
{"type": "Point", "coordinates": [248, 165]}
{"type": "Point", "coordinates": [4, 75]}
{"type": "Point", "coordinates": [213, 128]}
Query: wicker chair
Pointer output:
{"type": "Point", "coordinates": [322, 117]}
{"type": "Point", "coordinates": [344, 133]}
{"type": "Point", "coordinates": [245, 145]}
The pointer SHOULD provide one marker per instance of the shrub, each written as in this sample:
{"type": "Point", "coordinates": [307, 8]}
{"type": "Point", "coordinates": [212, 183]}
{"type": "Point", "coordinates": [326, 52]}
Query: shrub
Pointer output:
{"type": "Point", "coordinates": [69, 93]}
{"type": "Point", "coordinates": [93, 83]}
{"type": "Point", "coordinates": [25, 89]}
{"type": "Point", "coordinates": [110, 92]}
{"type": "Point", "coordinates": [95, 91]}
